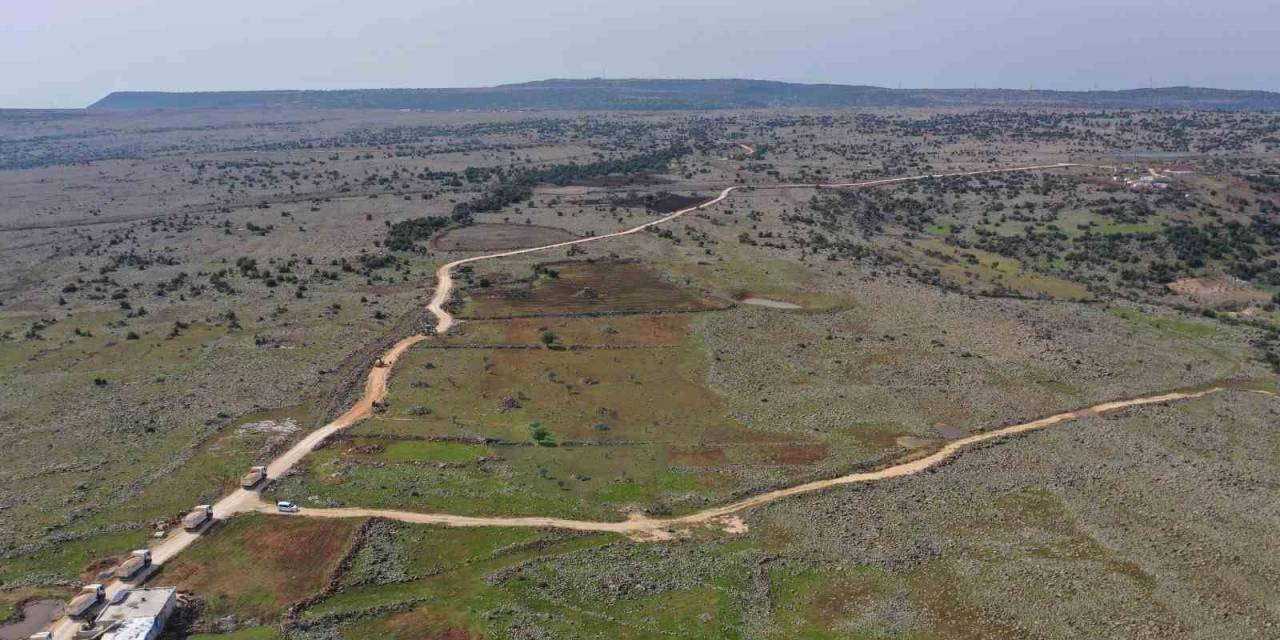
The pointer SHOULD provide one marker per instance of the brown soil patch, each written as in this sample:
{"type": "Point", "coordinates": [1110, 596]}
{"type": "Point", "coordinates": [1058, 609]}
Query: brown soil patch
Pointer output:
{"type": "Point", "coordinates": [357, 448]}
{"type": "Point", "coordinates": [90, 573]}
{"type": "Point", "coordinates": [603, 286]}
{"type": "Point", "coordinates": [954, 618]}
{"type": "Point", "coordinates": [288, 558]}
{"type": "Point", "coordinates": [421, 624]}
{"type": "Point", "coordinates": [838, 596]}
{"type": "Point", "coordinates": [1218, 291]}
{"type": "Point", "coordinates": [797, 454]}
{"type": "Point", "coordinates": [913, 442]}
{"type": "Point", "coordinates": [497, 237]}
{"type": "Point", "coordinates": [699, 457]}
{"type": "Point", "coordinates": [280, 542]}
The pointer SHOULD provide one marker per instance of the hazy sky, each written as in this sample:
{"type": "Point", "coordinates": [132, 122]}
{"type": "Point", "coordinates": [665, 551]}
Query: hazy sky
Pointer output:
{"type": "Point", "coordinates": [68, 53]}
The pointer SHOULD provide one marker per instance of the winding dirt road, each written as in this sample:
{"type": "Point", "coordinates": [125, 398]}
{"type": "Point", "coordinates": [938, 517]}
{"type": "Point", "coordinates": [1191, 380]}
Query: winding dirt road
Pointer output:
{"type": "Point", "coordinates": [638, 527]}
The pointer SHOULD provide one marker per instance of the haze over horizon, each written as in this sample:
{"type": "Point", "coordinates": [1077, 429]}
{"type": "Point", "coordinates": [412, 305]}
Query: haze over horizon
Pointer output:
{"type": "Point", "coordinates": [69, 53]}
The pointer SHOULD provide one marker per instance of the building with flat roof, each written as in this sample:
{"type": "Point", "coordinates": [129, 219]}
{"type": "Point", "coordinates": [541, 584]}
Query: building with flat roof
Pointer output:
{"type": "Point", "coordinates": [140, 615]}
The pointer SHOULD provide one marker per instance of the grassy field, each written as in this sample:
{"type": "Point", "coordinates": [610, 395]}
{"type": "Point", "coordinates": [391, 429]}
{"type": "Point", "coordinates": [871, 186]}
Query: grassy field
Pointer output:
{"type": "Point", "coordinates": [542, 430]}
{"type": "Point", "coordinates": [491, 583]}
{"type": "Point", "coordinates": [616, 331]}
{"type": "Point", "coordinates": [249, 633]}
{"type": "Point", "coordinates": [1168, 323]}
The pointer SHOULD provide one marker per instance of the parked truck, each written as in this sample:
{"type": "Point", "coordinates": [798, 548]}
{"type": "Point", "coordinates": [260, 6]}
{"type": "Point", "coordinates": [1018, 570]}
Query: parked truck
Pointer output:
{"type": "Point", "coordinates": [198, 517]}
{"type": "Point", "coordinates": [137, 561]}
{"type": "Point", "coordinates": [81, 605]}
{"type": "Point", "coordinates": [254, 477]}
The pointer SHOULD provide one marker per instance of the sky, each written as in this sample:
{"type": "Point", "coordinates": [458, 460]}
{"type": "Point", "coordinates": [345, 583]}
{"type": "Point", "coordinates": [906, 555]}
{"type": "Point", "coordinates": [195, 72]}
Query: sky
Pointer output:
{"type": "Point", "coordinates": [69, 53]}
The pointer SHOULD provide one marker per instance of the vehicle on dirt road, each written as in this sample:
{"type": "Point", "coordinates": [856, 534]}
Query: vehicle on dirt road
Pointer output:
{"type": "Point", "coordinates": [133, 565]}
{"type": "Point", "coordinates": [284, 506]}
{"type": "Point", "coordinates": [197, 517]}
{"type": "Point", "coordinates": [255, 476]}
{"type": "Point", "coordinates": [81, 605]}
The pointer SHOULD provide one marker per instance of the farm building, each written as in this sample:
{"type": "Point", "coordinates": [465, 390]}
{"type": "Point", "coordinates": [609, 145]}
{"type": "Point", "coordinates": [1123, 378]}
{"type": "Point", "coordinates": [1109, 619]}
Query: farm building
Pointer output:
{"type": "Point", "coordinates": [139, 616]}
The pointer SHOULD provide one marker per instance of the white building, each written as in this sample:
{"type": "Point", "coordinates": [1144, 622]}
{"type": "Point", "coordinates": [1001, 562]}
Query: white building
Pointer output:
{"type": "Point", "coordinates": [139, 616]}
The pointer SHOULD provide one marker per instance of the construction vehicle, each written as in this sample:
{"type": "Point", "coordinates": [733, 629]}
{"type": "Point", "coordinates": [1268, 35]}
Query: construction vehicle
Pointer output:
{"type": "Point", "coordinates": [81, 605]}
{"type": "Point", "coordinates": [255, 476]}
{"type": "Point", "coordinates": [198, 517]}
{"type": "Point", "coordinates": [137, 561]}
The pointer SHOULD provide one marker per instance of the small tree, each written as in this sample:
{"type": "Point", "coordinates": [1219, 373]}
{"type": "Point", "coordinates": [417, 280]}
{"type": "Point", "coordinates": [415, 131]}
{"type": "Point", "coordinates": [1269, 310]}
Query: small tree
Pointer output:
{"type": "Point", "coordinates": [540, 434]}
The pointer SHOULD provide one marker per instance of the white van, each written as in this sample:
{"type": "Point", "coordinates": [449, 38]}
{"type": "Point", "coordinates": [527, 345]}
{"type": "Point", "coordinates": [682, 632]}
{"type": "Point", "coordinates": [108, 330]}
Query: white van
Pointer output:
{"type": "Point", "coordinates": [284, 506]}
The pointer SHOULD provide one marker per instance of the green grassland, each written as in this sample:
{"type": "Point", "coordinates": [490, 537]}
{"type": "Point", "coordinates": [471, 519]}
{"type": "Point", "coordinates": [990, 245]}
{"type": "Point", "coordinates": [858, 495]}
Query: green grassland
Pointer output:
{"type": "Point", "coordinates": [1167, 322]}
{"type": "Point", "coordinates": [489, 584]}
{"type": "Point", "coordinates": [549, 431]}
{"type": "Point", "coordinates": [250, 633]}
{"type": "Point", "coordinates": [975, 269]}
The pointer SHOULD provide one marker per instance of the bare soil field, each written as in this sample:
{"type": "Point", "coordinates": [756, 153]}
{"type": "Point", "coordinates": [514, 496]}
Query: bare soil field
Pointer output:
{"type": "Point", "coordinates": [254, 568]}
{"type": "Point", "coordinates": [1219, 292]}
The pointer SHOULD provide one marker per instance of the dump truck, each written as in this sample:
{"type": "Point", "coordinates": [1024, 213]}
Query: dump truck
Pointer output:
{"type": "Point", "coordinates": [81, 605]}
{"type": "Point", "coordinates": [255, 476]}
{"type": "Point", "coordinates": [201, 514]}
{"type": "Point", "coordinates": [138, 560]}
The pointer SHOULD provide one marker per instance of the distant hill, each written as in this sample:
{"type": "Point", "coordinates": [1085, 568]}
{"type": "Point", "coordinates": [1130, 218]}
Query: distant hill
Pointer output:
{"type": "Point", "coordinates": [689, 94]}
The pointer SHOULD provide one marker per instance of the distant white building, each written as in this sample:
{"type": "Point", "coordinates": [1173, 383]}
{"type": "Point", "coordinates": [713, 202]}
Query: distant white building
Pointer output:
{"type": "Point", "coordinates": [139, 616]}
